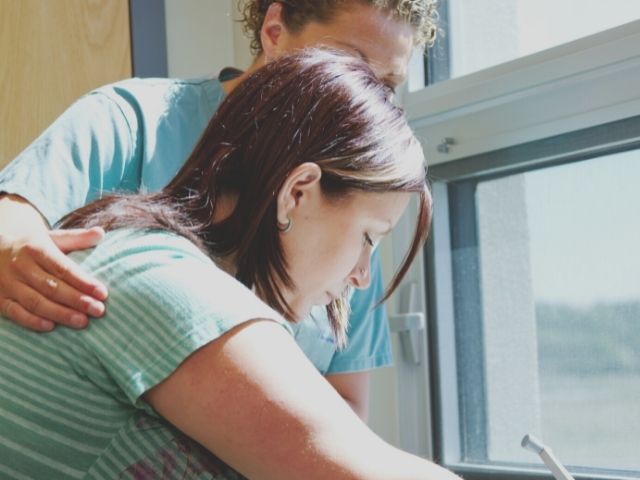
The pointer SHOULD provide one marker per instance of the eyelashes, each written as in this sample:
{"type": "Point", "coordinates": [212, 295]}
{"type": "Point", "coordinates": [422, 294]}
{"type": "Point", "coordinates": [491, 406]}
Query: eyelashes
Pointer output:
{"type": "Point", "coordinates": [368, 240]}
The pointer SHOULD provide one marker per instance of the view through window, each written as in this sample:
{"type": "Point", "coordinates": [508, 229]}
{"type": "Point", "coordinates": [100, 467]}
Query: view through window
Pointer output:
{"type": "Point", "coordinates": [584, 233]}
{"type": "Point", "coordinates": [546, 287]}
{"type": "Point", "coordinates": [478, 34]}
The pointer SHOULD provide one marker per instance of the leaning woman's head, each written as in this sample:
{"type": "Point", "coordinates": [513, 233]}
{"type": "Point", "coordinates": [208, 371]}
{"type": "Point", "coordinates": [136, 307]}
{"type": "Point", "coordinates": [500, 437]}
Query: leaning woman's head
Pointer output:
{"type": "Point", "coordinates": [313, 142]}
{"type": "Point", "coordinates": [318, 165]}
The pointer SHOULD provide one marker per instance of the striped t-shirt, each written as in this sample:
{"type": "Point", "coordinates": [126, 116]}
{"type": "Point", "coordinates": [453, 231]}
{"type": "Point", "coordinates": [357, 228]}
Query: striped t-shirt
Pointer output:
{"type": "Point", "coordinates": [70, 401]}
{"type": "Point", "coordinates": [134, 135]}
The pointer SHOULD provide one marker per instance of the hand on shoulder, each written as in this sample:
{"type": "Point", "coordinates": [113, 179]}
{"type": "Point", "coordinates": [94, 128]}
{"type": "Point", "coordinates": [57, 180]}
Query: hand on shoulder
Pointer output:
{"type": "Point", "coordinates": [40, 287]}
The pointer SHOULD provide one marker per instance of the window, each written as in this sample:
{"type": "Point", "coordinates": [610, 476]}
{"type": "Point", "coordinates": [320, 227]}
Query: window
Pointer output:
{"type": "Point", "coordinates": [542, 303]}
{"type": "Point", "coordinates": [480, 34]}
{"type": "Point", "coordinates": [533, 274]}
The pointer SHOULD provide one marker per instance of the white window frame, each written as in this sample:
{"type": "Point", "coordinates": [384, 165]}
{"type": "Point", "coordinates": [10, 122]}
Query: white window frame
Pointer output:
{"type": "Point", "coordinates": [585, 83]}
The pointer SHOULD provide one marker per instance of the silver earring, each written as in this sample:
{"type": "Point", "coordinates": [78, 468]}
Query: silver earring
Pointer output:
{"type": "Point", "coordinates": [285, 228]}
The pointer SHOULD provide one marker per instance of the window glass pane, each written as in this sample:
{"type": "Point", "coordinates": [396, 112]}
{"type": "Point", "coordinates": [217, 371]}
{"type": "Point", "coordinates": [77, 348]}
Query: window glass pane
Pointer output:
{"type": "Point", "coordinates": [547, 298]}
{"type": "Point", "coordinates": [483, 33]}
{"type": "Point", "coordinates": [584, 226]}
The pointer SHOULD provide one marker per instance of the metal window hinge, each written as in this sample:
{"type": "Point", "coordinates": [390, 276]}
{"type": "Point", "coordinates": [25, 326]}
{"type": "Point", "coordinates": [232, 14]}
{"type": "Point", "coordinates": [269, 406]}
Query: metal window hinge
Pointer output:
{"type": "Point", "coordinates": [445, 143]}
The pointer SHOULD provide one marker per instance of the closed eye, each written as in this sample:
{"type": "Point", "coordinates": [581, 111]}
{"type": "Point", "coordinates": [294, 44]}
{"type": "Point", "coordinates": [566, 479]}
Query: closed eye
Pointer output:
{"type": "Point", "coordinates": [367, 239]}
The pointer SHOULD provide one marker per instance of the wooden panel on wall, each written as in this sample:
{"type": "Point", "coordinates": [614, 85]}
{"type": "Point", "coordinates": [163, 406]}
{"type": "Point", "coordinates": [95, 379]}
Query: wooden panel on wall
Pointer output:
{"type": "Point", "coordinates": [51, 53]}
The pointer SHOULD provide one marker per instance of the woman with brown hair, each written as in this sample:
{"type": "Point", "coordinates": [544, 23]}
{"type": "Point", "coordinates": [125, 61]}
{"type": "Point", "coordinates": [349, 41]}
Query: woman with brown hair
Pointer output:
{"type": "Point", "coordinates": [136, 134]}
{"type": "Point", "coordinates": [305, 166]}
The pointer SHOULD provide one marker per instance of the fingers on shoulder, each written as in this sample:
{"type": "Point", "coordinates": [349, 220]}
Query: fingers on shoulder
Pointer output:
{"type": "Point", "coordinates": [15, 312]}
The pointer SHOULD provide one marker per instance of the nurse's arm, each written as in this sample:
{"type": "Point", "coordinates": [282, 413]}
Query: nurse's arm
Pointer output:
{"type": "Point", "coordinates": [252, 398]}
{"type": "Point", "coordinates": [353, 387]}
{"type": "Point", "coordinates": [39, 285]}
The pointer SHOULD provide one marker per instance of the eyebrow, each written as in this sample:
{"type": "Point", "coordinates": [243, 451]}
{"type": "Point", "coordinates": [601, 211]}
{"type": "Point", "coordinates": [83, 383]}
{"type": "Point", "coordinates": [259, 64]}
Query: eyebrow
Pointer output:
{"type": "Point", "coordinates": [394, 78]}
{"type": "Point", "coordinates": [354, 48]}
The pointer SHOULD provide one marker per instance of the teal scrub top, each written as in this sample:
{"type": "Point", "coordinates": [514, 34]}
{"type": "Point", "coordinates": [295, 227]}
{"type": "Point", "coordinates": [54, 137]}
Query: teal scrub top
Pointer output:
{"type": "Point", "coordinates": [134, 136]}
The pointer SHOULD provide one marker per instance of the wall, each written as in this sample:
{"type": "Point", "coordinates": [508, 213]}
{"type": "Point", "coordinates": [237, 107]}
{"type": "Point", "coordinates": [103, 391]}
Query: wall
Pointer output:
{"type": "Point", "coordinates": [202, 37]}
{"type": "Point", "coordinates": [52, 53]}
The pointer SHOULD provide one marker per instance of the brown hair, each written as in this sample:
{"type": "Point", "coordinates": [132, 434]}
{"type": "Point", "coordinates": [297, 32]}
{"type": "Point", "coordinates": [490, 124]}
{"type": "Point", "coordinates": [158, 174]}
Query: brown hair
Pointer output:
{"type": "Point", "coordinates": [420, 14]}
{"type": "Point", "coordinates": [314, 106]}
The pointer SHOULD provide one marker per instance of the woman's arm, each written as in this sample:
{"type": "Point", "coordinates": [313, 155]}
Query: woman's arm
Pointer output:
{"type": "Point", "coordinates": [252, 397]}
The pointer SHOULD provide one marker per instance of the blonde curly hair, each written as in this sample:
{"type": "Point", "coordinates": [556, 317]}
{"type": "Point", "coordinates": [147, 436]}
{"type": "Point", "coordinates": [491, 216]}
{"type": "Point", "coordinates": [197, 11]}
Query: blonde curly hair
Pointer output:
{"type": "Point", "coordinates": [420, 14]}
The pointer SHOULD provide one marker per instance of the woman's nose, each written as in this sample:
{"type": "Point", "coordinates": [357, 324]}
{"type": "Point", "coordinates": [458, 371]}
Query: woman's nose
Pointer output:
{"type": "Point", "coordinates": [361, 275]}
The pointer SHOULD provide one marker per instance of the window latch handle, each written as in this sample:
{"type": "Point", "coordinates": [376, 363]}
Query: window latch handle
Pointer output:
{"type": "Point", "coordinates": [409, 327]}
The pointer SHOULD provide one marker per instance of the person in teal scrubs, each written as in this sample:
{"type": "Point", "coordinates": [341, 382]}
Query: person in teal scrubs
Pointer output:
{"type": "Point", "coordinates": [136, 134]}
{"type": "Point", "coordinates": [277, 209]}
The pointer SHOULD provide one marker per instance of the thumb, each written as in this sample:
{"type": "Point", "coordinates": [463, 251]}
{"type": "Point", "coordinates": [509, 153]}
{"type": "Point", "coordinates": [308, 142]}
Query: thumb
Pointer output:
{"type": "Point", "coordinates": [77, 238]}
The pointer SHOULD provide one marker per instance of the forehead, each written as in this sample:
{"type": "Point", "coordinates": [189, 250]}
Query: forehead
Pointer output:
{"type": "Point", "coordinates": [384, 41]}
{"type": "Point", "coordinates": [377, 210]}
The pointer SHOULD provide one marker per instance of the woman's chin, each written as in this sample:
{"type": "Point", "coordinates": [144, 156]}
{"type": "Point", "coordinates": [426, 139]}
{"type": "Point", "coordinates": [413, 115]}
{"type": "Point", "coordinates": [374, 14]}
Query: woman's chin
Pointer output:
{"type": "Point", "coordinates": [303, 310]}
{"type": "Point", "coordinates": [300, 313]}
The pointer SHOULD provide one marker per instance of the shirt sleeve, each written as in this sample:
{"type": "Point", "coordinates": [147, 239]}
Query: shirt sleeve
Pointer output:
{"type": "Point", "coordinates": [91, 148]}
{"type": "Point", "coordinates": [166, 301]}
{"type": "Point", "coordinates": [369, 344]}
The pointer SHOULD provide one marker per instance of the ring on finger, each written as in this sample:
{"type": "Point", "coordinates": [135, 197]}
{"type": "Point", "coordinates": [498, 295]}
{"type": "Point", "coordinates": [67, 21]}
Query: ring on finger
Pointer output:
{"type": "Point", "coordinates": [51, 283]}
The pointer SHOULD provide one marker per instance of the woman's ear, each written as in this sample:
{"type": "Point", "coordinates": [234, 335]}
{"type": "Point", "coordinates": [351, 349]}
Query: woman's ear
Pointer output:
{"type": "Point", "coordinates": [302, 183]}
{"type": "Point", "coordinates": [271, 33]}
